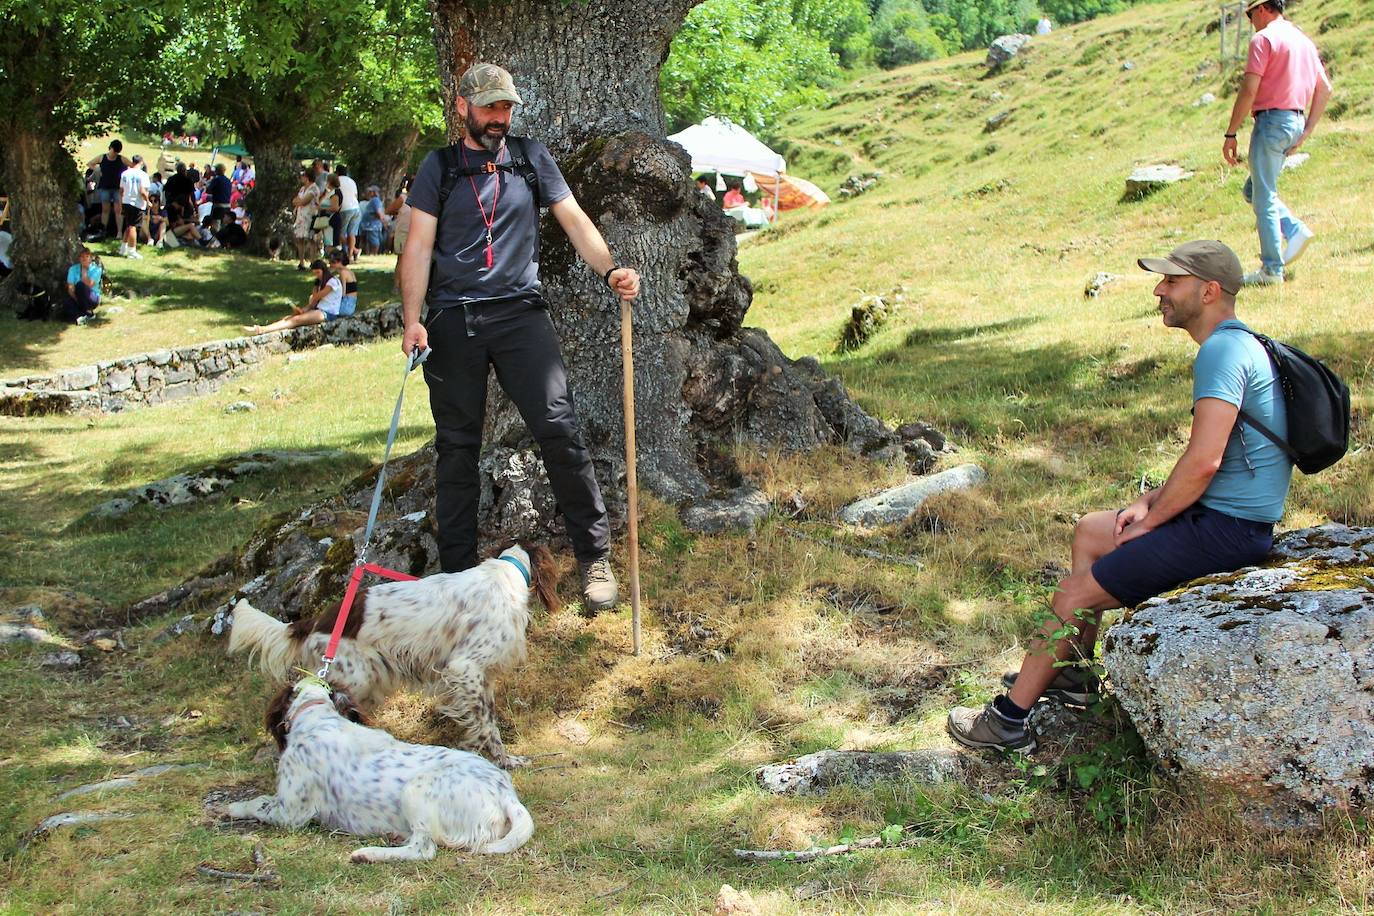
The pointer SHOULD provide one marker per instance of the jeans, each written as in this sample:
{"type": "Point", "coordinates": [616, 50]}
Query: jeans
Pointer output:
{"type": "Point", "coordinates": [1275, 131]}
{"type": "Point", "coordinates": [84, 303]}
{"type": "Point", "coordinates": [519, 340]}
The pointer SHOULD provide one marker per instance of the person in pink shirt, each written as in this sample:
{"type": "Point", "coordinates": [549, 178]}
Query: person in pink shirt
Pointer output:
{"type": "Point", "coordinates": [1286, 89]}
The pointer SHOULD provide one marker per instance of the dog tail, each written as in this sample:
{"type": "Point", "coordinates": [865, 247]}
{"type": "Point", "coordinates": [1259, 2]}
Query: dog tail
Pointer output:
{"type": "Point", "coordinates": [521, 826]}
{"type": "Point", "coordinates": [264, 637]}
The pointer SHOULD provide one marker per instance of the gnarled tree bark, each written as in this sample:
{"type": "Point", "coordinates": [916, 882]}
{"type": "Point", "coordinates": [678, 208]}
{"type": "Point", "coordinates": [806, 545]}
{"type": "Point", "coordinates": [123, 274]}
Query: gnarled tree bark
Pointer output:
{"type": "Point", "coordinates": [588, 74]}
{"type": "Point", "coordinates": [276, 180]}
{"type": "Point", "coordinates": [44, 188]}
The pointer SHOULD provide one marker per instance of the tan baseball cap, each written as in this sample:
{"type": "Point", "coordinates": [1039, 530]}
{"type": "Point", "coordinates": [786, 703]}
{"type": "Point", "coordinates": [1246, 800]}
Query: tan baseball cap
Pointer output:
{"type": "Point", "coordinates": [484, 84]}
{"type": "Point", "coordinates": [1207, 260]}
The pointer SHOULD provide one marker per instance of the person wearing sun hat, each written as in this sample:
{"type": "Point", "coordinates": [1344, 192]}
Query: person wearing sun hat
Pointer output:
{"type": "Point", "coordinates": [1215, 512]}
{"type": "Point", "coordinates": [1286, 89]}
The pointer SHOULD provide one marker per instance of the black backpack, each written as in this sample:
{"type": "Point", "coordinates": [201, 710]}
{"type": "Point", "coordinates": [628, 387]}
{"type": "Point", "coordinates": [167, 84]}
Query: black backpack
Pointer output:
{"type": "Point", "coordinates": [451, 161]}
{"type": "Point", "coordinates": [1318, 403]}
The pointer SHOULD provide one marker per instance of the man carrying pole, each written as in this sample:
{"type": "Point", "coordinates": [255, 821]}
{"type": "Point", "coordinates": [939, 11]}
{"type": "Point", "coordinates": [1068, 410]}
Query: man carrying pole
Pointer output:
{"type": "Point", "coordinates": [473, 256]}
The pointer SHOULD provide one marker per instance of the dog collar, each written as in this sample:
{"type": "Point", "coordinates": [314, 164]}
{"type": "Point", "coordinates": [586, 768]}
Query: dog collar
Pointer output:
{"type": "Point", "coordinates": [291, 720]}
{"type": "Point", "coordinates": [518, 565]}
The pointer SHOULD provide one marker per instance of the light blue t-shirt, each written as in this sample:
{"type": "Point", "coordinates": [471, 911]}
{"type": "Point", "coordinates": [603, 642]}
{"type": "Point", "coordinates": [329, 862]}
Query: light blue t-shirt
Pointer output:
{"type": "Point", "coordinates": [74, 276]}
{"type": "Point", "coordinates": [1233, 366]}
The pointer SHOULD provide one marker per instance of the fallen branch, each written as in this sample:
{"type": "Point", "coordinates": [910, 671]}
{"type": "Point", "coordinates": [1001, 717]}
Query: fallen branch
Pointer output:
{"type": "Point", "coordinates": [210, 871]}
{"type": "Point", "coordinates": [807, 855]}
{"type": "Point", "coordinates": [864, 552]}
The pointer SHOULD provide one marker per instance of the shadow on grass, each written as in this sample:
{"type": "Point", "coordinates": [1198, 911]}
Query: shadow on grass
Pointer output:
{"type": "Point", "coordinates": [221, 290]}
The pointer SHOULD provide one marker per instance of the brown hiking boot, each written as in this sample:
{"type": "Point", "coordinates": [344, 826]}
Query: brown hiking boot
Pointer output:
{"type": "Point", "coordinates": [599, 591]}
{"type": "Point", "coordinates": [988, 728]}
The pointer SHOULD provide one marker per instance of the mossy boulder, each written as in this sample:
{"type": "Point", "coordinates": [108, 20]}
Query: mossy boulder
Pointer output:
{"type": "Point", "coordinates": [1261, 682]}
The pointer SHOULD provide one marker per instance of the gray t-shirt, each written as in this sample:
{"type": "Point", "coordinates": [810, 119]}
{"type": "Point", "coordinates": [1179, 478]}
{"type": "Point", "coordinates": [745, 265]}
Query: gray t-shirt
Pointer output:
{"type": "Point", "coordinates": [460, 273]}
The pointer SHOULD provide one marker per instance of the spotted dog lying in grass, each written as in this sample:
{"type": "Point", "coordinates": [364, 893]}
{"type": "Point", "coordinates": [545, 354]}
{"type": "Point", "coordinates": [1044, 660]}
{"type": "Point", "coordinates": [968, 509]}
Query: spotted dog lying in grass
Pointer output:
{"type": "Point", "coordinates": [349, 777]}
{"type": "Point", "coordinates": [448, 633]}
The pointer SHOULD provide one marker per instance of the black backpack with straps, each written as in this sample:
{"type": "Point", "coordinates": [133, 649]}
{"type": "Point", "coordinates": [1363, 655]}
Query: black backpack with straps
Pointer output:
{"type": "Point", "coordinates": [518, 163]}
{"type": "Point", "coordinates": [1318, 404]}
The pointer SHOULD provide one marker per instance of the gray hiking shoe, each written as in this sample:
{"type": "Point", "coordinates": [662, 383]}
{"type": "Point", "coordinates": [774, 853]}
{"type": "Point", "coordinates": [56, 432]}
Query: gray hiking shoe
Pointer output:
{"type": "Point", "coordinates": [988, 728]}
{"type": "Point", "coordinates": [1072, 686]}
{"type": "Point", "coordinates": [599, 591]}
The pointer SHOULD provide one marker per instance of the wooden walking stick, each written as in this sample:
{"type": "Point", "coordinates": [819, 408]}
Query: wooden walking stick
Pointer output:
{"type": "Point", "coordinates": [631, 480]}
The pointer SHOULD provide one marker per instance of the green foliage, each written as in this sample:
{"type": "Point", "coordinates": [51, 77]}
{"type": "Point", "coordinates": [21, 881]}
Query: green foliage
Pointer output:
{"type": "Point", "coordinates": [65, 67]}
{"type": "Point", "coordinates": [752, 60]}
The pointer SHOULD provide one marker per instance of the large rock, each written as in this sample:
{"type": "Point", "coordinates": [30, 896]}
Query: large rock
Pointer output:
{"type": "Point", "coordinates": [901, 502]}
{"type": "Point", "coordinates": [1005, 48]}
{"type": "Point", "coordinates": [1262, 682]}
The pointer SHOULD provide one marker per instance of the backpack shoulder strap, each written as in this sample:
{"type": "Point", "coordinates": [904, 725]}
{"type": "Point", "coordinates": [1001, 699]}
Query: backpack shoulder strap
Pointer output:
{"type": "Point", "coordinates": [451, 165]}
{"type": "Point", "coordinates": [522, 166]}
{"type": "Point", "coordinates": [1268, 345]}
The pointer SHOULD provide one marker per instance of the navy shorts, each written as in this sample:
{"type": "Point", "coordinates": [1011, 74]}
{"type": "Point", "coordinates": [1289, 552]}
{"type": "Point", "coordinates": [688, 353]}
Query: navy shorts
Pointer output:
{"type": "Point", "coordinates": [1197, 542]}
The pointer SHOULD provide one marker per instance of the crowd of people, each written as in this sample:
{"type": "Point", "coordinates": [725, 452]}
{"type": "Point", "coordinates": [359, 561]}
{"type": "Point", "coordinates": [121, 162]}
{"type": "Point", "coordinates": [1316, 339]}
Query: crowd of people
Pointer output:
{"type": "Point", "coordinates": [331, 211]}
{"type": "Point", "coordinates": [178, 205]}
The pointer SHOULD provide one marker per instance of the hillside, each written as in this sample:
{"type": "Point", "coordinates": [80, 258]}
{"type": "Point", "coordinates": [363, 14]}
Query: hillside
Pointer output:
{"type": "Point", "coordinates": [759, 647]}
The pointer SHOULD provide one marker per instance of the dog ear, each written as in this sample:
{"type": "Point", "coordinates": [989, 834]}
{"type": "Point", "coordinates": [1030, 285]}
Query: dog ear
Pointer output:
{"type": "Point", "coordinates": [349, 709]}
{"type": "Point", "coordinates": [276, 715]}
{"type": "Point", "coordinates": [544, 576]}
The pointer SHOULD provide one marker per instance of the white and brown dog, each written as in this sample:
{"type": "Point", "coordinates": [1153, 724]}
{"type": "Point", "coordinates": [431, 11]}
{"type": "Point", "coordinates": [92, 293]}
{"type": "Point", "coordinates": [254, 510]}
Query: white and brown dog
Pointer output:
{"type": "Point", "coordinates": [449, 633]}
{"type": "Point", "coordinates": [360, 780]}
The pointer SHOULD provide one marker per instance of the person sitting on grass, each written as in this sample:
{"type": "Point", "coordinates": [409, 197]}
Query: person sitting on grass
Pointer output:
{"type": "Point", "coordinates": [231, 234]}
{"type": "Point", "coordinates": [338, 265]}
{"type": "Point", "coordinates": [83, 288]}
{"type": "Point", "coordinates": [1214, 514]}
{"type": "Point", "coordinates": [323, 304]}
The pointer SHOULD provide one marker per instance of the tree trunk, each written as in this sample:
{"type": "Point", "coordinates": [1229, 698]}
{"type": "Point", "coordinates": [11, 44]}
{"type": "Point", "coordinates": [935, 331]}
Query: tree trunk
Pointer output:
{"type": "Point", "coordinates": [44, 188]}
{"type": "Point", "coordinates": [382, 159]}
{"type": "Point", "coordinates": [588, 74]}
{"type": "Point", "coordinates": [277, 177]}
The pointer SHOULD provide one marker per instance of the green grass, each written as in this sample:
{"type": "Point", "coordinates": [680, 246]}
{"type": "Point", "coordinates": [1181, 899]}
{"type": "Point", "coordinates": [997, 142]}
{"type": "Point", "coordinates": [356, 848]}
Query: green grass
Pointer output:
{"type": "Point", "coordinates": [1067, 402]}
{"type": "Point", "coordinates": [175, 298]}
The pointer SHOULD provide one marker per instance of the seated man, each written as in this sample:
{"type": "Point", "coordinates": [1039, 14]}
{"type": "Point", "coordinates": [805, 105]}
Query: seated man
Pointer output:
{"type": "Point", "coordinates": [1215, 513]}
{"type": "Point", "coordinates": [231, 234]}
{"type": "Point", "coordinates": [83, 288]}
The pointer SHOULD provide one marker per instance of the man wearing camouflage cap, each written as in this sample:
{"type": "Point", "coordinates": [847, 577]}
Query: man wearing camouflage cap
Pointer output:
{"type": "Point", "coordinates": [1215, 512]}
{"type": "Point", "coordinates": [472, 256]}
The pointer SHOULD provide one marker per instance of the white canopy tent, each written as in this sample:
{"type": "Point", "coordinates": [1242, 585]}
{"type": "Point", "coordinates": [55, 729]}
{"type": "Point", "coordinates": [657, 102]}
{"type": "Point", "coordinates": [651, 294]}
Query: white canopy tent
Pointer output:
{"type": "Point", "coordinates": [721, 146]}
{"type": "Point", "coordinates": [717, 145]}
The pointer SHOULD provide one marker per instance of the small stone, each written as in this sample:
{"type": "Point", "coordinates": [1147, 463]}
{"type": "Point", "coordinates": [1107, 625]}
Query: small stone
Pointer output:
{"type": "Point", "coordinates": [241, 407]}
{"type": "Point", "coordinates": [194, 714]}
{"type": "Point", "coordinates": [1127, 65]}
{"type": "Point", "coordinates": [573, 732]}
{"type": "Point", "coordinates": [996, 121]}
{"type": "Point", "coordinates": [1150, 178]}
{"type": "Point", "coordinates": [1295, 161]}
{"type": "Point", "coordinates": [1005, 48]}
{"type": "Point", "coordinates": [29, 613]}
{"type": "Point", "coordinates": [730, 902]}
{"type": "Point", "coordinates": [104, 644]}
{"type": "Point", "coordinates": [743, 507]}
{"type": "Point", "coordinates": [1099, 280]}
{"type": "Point", "coordinates": [61, 661]}
{"type": "Point", "coordinates": [1205, 99]}
{"type": "Point", "coordinates": [899, 503]}
{"type": "Point", "coordinates": [10, 632]}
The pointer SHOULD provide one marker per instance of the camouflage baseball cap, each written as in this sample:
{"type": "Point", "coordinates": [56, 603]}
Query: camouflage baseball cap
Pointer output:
{"type": "Point", "coordinates": [484, 84]}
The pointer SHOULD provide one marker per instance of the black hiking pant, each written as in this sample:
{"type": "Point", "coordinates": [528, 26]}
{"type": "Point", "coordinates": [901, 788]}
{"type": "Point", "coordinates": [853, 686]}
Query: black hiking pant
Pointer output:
{"type": "Point", "coordinates": [519, 340]}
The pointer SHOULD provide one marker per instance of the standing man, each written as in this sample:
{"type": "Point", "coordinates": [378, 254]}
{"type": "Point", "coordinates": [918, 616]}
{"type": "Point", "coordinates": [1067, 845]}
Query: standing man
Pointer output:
{"type": "Point", "coordinates": [111, 165]}
{"type": "Point", "coordinates": [133, 190]}
{"type": "Point", "coordinates": [1215, 513]}
{"type": "Point", "coordinates": [472, 255]}
{"type": "Point", "coordinates": [350, 216]}
{"type": "Point", "coordinates": [220, 190]}
{"type": "Point", "coordinates": [1284, 78]}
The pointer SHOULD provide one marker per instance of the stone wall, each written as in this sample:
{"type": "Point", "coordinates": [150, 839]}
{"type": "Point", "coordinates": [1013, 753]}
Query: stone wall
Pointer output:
{"type": "Point", "coordinates": [170, 375]}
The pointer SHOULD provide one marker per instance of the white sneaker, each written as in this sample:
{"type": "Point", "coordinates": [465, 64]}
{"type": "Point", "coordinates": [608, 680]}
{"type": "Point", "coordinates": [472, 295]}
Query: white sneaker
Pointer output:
{"type": "Point", "coordinates": [123, 250]}
{"type": "Point", "coordinates": [1296, 245]}
{"type": "Point", "coordinates": [133, 253]}
{"type": "Point", "coordinates": [1262, 277]}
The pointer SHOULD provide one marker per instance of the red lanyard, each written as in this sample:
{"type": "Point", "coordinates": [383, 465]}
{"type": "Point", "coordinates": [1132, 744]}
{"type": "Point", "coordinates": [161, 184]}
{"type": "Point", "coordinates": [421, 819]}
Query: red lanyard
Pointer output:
{"type": "Point", "coordinates": [496, 198]}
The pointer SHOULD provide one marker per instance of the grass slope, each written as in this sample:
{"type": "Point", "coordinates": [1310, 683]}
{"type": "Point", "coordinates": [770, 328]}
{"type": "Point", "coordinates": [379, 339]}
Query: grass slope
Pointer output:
{"type": "Point", "coordinates": [763, 646]}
